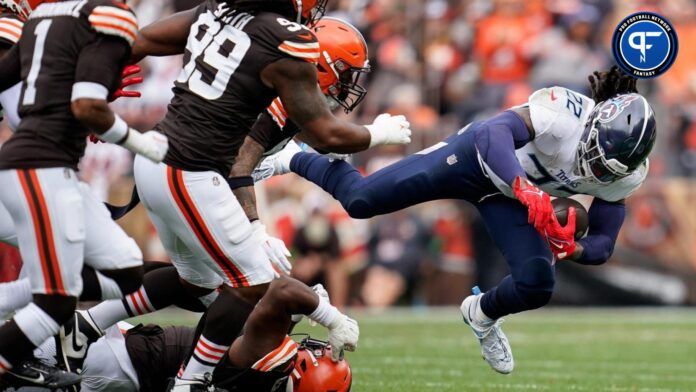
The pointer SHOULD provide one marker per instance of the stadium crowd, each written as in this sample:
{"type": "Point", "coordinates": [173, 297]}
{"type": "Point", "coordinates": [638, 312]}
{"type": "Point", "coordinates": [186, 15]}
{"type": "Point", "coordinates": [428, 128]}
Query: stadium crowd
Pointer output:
{"type": "Point", "coordinates": [444, 64]}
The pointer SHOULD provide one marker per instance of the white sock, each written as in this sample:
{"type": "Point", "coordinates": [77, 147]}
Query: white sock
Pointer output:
{"type": "Point", "coordinates": [481, 317]}
{"type": "Point", "coordinates": [109, 287]}
{"type": "Point", "coordinates": [14, 295]}
{"type": "Point", "coordinates": [205, 357]}
{"type": "Point", "coordinates": [36, 324]}
{"type": "Point", "coordinates": [108, 313]}
{"type": "Point", "coordinates": [325, 314]}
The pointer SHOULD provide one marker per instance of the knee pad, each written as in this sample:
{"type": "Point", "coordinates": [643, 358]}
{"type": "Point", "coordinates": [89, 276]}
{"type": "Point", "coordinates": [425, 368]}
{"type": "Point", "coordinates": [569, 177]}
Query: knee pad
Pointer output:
{"type": "Point", "coordinates": [537, 282]}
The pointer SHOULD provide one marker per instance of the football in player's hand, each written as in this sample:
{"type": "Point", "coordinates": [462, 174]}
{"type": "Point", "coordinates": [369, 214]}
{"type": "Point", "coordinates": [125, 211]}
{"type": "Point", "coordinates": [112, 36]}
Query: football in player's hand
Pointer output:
{"type": "Point", "coordinates": [582, 220]}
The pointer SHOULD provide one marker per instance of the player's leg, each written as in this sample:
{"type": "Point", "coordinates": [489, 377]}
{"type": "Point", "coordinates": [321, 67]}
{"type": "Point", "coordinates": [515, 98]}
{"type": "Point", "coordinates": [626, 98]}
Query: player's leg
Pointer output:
{"type": "Point", "coordinates": [46, 208]}
{"type": "Point", "coordinates": [529, 285]}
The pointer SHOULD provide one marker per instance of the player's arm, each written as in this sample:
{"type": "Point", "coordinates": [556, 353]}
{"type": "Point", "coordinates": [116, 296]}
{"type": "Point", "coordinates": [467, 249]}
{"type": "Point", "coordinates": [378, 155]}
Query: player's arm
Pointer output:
{"type": "Point", "coordinates": [95, 81]}
{"type": "Point", "coordinates": [165, 37]}
{"type": "Point", "coordinates": [250, 154]}
{"type": "Point", "coordinates": [10, 69]}
{"type": "Point", "coordinates": [295, 81]}
{"type": "Point", "coordinates": [606, 219]}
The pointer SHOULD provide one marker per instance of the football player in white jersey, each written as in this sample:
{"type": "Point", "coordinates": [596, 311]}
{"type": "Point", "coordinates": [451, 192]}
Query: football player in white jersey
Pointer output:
{"type": "Point", "coordinates": [559, 143]}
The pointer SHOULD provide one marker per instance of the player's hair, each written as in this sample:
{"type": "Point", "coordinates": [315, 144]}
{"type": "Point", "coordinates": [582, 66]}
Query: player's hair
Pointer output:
{"type": "Point", "coordinates": [607, 84]}
{"type": "Point", "coordinates": [282, 7]}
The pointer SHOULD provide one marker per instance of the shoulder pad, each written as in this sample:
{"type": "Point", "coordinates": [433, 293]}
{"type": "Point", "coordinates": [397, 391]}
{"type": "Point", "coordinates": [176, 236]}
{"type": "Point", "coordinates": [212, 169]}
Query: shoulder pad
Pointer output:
{"type": "Point", "coordinates": [553, 104]}
{"type": "Point", "coordinates": [10, 28]}
{"type": "Point", "coordinates": [115, 19]}
{"type": "Point", "coordinates": [290, 38]}
{"type": "Point", "coordinates": [277, 112]}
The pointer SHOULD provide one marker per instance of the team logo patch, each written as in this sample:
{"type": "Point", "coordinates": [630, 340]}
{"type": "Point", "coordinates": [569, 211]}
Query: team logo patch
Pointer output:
{"type": "Point", "coordinates": [613, 107]}
{"type": "Point", "coordinates": [645, 45]}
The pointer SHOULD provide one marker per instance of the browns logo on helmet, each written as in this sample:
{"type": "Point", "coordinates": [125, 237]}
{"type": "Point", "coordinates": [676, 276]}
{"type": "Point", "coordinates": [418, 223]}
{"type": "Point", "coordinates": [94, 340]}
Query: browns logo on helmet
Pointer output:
{"type": "Point", "coordinates": [316, 372]}
{"type": "Point", "coordinates": [343, 59]}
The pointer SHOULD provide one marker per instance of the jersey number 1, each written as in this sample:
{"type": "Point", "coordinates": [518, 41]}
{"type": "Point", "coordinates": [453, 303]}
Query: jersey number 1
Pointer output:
{"type": "Point", "coordinates": [40, 32]}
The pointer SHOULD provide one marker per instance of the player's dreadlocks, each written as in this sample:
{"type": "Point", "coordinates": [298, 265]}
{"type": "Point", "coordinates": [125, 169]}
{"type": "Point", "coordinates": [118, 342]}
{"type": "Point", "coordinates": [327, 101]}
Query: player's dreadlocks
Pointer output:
{"type": "Point", "coordinates": [282, 7]}
{"type": "Point", "coordinates": [607, 84]}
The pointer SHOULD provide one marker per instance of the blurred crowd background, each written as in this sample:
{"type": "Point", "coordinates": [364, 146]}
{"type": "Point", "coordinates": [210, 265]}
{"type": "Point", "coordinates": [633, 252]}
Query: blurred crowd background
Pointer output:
{"type": "Point", "coordinates": [444, 63]}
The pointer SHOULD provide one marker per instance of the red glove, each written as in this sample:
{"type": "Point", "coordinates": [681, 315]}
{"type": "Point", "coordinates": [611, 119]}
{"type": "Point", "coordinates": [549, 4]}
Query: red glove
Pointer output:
{"type": "Point", "coordinates": [127, 80]}
{"type": "Point", "coordinates": [562, 238]}
{"type": "Point", "coordinates": [538, 203]}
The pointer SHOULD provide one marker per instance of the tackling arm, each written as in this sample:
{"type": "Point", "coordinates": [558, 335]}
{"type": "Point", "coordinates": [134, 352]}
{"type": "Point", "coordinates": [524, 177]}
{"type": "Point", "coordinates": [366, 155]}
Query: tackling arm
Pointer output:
{"type": "Point", "coordinates": [165, 37]}
{"type": "Point", "coordinates": [606, 219]}
{"type": "Point", "coordinates": [296, 84]}
{"type": "Point", "coordinates": [249, 156]}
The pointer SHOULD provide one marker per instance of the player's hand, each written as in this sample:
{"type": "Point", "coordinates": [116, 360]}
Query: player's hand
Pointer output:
{"type": "Point", "coordinates": [127, 79]}
{"type": "Point", "coordinates": [344, 337]}
{"type": "Point", "coordinates": [388, 129]}
{"type": "Point", "coordinates": [561, 238]}
{"type": "Point", "coordinates": [151, 144]}
{"type": "Point", "coordinates": [274, 248]}
{"type": "Point", "coordinates": [538, 203]}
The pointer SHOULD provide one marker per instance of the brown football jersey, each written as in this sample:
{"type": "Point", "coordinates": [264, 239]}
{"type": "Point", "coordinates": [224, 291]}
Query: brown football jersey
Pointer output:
{"type": "Point", "coordinates": [219, 93]}
{"type": "Point", "coordinates": [64, 47]}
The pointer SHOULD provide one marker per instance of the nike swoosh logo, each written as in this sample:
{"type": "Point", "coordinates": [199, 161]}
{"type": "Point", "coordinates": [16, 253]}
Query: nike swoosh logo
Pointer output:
{"type": "Point", "coordinates": [38, 380]}
{"type": "Point", "coordinates": [553, 97]}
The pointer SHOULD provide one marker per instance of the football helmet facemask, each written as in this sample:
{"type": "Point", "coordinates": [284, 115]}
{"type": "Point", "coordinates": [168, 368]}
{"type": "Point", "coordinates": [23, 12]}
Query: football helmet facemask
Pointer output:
{"type": "Point", "coordinates": [316, 372]}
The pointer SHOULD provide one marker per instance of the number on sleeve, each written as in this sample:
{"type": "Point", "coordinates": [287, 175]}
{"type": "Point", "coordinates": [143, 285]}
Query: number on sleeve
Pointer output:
{"type": "Point", "coordinates": [214, 52]}
{"type": "Point", "coordinates": [41, 32]}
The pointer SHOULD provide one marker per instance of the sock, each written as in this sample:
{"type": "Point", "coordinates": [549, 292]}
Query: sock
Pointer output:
{"type": "Point", "coordinates": [480, 317]}
{"type": "Point", "coordinates": [108, 313]}
{"type": "Point", "coordinates": [205, 357]}
{"type": "Point", "coordinates": [326, 314]}
{"type": "Point", "coordinates": [30, 327]}
{"type": "Point", "coordinates": [14, 295]}
{"type": "Point", "coordinates": [36, 324]}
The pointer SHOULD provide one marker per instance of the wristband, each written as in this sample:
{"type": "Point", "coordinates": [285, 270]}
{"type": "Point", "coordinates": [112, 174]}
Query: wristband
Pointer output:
{"type": "Point", "coordinates": [240, 182]}
{"type": "Point", "coordinates": [118, 132]}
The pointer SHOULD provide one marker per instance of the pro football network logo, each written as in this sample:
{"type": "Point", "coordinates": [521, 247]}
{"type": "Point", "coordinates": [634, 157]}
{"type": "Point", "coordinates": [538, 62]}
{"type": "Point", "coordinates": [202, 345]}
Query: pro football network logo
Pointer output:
{"type": "Point", "coordinates": [645, 45]}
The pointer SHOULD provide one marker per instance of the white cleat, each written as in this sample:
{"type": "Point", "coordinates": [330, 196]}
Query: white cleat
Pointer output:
{"type": "Point", "coordinates": [495, 347]}
{"type": "Point", "coordinates": [276, 164]}
{"type": "Point", "coordinates": [343, 336]}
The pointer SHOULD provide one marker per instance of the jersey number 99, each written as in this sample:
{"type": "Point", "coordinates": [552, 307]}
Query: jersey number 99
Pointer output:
{"type": "Point", "coordinates": [215, 51]}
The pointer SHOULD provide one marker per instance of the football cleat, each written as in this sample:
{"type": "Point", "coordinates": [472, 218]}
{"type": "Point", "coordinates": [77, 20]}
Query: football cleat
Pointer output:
{"type": "Point", "coordinates": [204, 385]}
{"type": "Point", "coordinates": [495, 347]}
{"type": "Point", "coordinates": [344, 336]}
{"type": "Point", "coordinates": [276, 164]}
{"type": "Point", "coordinates": [74, 339]}
{"type": "Point", "coordinates": [36, 374]}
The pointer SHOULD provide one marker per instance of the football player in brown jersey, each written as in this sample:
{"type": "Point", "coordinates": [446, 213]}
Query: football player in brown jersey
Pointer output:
{"type": "Point", "coordinates": [237, 60]}
{"type": "Point", "coordinates": [59, 224]}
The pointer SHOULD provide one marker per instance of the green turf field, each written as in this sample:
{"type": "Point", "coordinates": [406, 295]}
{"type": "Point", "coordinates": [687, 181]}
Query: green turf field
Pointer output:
{"type": "Point", "coordinates": [571, 349]}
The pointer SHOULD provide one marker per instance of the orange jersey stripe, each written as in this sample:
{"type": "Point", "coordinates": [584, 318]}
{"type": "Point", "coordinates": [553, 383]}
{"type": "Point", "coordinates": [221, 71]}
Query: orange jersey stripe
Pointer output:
{"type": "Point", "coordinates": [129, 33]}
{"type": "Point", "coordinates": [106, 14]}
{"type": "Point", "coordinates": [11, 33]}
{"type": "Point", "coordinates": [49, 231]}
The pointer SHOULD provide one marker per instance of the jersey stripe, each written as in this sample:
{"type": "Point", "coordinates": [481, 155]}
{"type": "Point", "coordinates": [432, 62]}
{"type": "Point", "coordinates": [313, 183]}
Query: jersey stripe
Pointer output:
{"type": "Point", "coordinates": [113, 21]}
{"type": "Point", "coordinates": [308, 51]}
{"type": "Point", "coordinates": [10, 29]}
{"type": "Point", "coordinates": [277, 112]}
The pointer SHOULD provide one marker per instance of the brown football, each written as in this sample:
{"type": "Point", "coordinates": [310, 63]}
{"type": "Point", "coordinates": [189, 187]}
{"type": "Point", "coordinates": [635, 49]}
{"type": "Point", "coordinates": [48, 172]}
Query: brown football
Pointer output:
{"type": "Point", "coordinates": [582, 220]}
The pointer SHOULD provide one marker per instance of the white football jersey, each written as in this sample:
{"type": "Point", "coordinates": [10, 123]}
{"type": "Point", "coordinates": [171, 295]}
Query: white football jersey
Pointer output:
{"type": "Point", "coordinates": [550, 160]}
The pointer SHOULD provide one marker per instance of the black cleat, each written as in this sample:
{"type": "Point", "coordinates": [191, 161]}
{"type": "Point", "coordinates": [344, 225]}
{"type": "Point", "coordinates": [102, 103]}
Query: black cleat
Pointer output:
{"type": "Point", "coordinates": [74, 339]}
{"type": "Point", "coordinates": [37, 374]}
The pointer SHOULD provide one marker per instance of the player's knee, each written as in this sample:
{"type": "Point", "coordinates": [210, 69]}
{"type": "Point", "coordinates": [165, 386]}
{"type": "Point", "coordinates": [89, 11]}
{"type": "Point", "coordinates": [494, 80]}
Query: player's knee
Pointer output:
{"type": "Point", "coordinates": [60, 308]}
{"type": "Point", "coordinates": [537, 282]}
{"type": "Point", "coordinates": [128, 280]}
{"type": "Point", "coordinates": [282, 291]}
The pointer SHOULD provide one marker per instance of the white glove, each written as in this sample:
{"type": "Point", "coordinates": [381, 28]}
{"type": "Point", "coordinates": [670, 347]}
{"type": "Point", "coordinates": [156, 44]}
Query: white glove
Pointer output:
{"type": "Point", "coordinates": [275, 248]}
{"type": "Point", "coordinates": [343, 337]}
{"type": "Point", "coordinates": [333, 156]}
{"type": "Point", "coordinates": [151, 144]}
{"type": "Point", "coordinates": [388, 129]}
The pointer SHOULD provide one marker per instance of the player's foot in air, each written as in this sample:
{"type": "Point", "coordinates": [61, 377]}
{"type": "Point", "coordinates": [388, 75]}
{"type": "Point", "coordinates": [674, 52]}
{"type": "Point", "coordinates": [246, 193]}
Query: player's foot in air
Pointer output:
{"type": "Point", "coordinates": [74, 339]}
{"type": "Point", "coordinates": [203, 385]}
{"type": "Point", "coordinates": [343, 336]}
{"type": "Point", "coordinates": [276, 164]}
{"type": "Point", "coordinates": [495, 347]}
{"type": "Point", "coordinates": [36, 374]}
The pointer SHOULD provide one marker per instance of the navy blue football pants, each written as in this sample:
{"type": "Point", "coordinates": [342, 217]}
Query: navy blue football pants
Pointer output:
{"type": "Point", "coordinates": [448, 170]}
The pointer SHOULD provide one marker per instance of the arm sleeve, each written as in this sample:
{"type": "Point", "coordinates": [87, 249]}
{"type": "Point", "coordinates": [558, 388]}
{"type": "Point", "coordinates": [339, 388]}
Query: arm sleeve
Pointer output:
{"type": "Point", "coordinates": [99, 78]}
{"type": "Point", "coordinates": [497, 142]}
{"type": "Point", "coordinates": [606, 219]}
{"type": "Point", "coordinates": [10, 69]}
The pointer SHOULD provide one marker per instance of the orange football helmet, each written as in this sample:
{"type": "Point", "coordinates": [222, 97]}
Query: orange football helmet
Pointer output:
{"type": "Point", "coordinates": [21, 7]}
{"type": "Point", "coordinates": [316, 372]}
{"type": "Point", "coordinates": [343, 60]}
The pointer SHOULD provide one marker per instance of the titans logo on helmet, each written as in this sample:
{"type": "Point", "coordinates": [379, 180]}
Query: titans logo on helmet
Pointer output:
{"type": "Point", "coordinates": [613, 107]}
{"type": "Point", "coordinates": [645, 44]}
